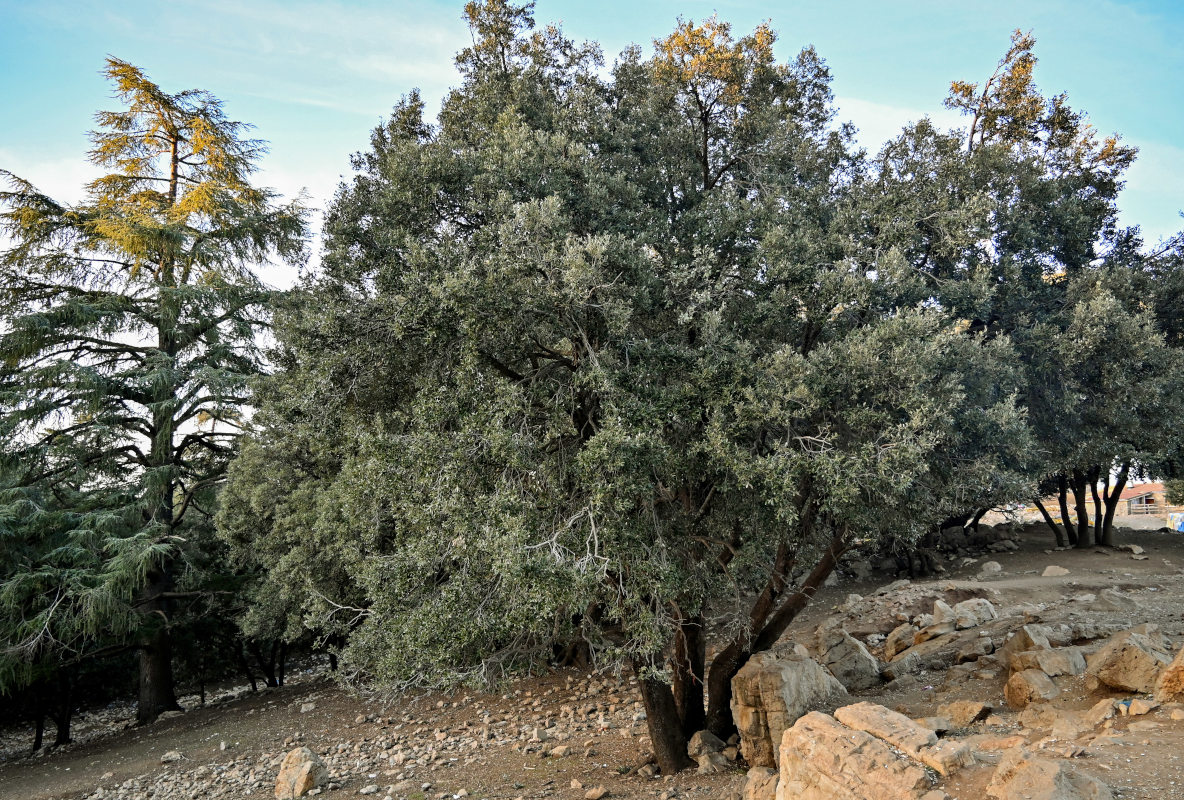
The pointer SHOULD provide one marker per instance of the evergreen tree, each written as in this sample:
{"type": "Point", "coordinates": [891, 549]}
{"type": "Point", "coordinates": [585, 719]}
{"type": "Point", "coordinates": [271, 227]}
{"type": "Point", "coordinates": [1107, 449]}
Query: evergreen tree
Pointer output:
{"type": "Point", "coordinates": [596, 359]}
{"type": "Point", "coordinates": [128, 337]}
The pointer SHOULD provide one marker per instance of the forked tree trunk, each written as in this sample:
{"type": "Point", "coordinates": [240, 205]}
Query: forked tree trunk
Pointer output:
{"type": "Point", "coordinates": [1095, 473]}
{"type": "Point", "coordinates": [1052, 523]}
{"type": "Point", "coordinates": [1063, 501]}
{"type": "Point", "coordinates": [666, 733]}
{"type": "Point", "coordinates": [1112, 498]}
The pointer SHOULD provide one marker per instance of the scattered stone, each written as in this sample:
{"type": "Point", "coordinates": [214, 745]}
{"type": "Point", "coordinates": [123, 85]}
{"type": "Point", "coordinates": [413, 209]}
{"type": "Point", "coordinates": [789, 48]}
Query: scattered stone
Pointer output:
{"type": "Point", "coordinates": [1028, 686]}
{"type": "Point", "coordinates": [301, 771]}
{"type": "Point", "coordinates": [1129, 548]}
{"type": "Point", "coordinates": [1138, 707]}
{"type": "Point", "coordinates": [769, 694]}
{"type": "Point", "coordinates": [1022, 775]}
{"type": "Point", "coordinates": [822, 759]}
{"type": "Point", "coordinates": [1100, 712]}
{"type": "Point", "coordinates": [596, 793]}
{"type": "Point", "coordinates": [1053, 571]}
{"type": "Point", "coordinates": [1114, 600]}
{"type": "Point", "coordinates": [171, 757]}
{"type": "Point", "coordinates": [306, 707]}
{"type": "Point", "coordinates": [990, 568]}
{"type": "Point", "coordinates": [711, 763]}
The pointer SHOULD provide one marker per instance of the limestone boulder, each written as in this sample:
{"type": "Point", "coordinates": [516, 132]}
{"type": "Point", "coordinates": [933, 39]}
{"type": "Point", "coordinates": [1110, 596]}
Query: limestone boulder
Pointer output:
{"type": "Point", "coordinates": [1061, 661]}
{"type": "Point", "coordinates": [973, 612]}
{"type": "Point", "coordinates": [704, 742]}
{"type": "Point", "coordinates": [301, 771]}
{"type": "Point", "coordinates": [822, 759]}
{"type": "Point", "coordinates": [770, 693]}
{"type": "Point", "coordinates": [1029, 686]}
{"type": "Point", "coordinates": [899, 640]}
{"type": "Point", "coordinates": [1169, 686]}
{"type": "Point", "coordinates": [962, 713]}
{"type": "Point", "coordinates": [1129, 661]}
{"type": "Point", "coordinates": [761, 784]}
{"type": "Point", "coordinates": [1028, 637]}
{"type": "Point", "coordinates": [849, 661]}
{"type": "Point", "coordinates": [1022, 776]}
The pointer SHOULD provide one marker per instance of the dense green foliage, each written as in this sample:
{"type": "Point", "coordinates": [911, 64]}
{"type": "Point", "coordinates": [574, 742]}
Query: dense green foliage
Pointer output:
{"type": "Point", "coordinates": [129, 335]}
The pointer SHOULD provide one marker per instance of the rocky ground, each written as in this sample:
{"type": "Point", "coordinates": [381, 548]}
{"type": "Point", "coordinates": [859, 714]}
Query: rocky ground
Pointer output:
{"type": "Point", "coordinates": [574, 735]}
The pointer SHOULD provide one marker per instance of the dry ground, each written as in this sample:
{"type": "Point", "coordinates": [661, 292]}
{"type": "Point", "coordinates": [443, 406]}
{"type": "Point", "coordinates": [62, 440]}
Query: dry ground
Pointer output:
{"type": "Point", "coordinates": [605, 732]}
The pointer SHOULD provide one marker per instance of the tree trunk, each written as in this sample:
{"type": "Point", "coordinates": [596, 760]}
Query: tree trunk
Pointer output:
{"type": "Point", "coordinates": [670, 744]}
{"type": "Point", "coordinates": [1095, 473]}
{"type": "Point", "coordinates": [735, 655]}
{"type": "Point", "coordinates": [1112, 499]}
{"type": "Point", "coordinates": [38, 730]}
{"type": "Point", "coordinates": [1063, 501]}
{"type": "Point", "coordinates": [156, 676]}
{"type": "Point", "coordinates": [1052, 523]}
{"type": "Point", "coordinates": [282, 667]}
{"type": "Point", "coordinates": [690, 653]}
{"type": "Point", "coordinates": [157, 692]}
{"type": "Point", "coordinates": [63, 709]}
{"type": "Point", "coordinates": [245, 665]}
{"type": "Point", "coordinates": [1081, 505]}
{"type": "Point", "coordinates": [978, 515]}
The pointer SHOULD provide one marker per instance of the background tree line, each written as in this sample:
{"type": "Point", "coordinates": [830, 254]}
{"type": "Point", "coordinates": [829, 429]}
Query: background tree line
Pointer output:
{"type": "Point", "coordinates": [595, 360]}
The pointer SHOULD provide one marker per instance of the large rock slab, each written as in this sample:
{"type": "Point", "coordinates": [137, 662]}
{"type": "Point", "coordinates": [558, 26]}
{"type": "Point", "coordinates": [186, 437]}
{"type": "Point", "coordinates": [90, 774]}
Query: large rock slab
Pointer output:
{"type": "Point", "coordinates": [1129, 661]}
{"type": "Point", "coordinates": [1029, 686]}
{"type": "Point", "coordinates": [770, 693]}
{"type": "Point", "coordinates": [894, 728]}
{"type": "Point", "coordinates": [849, 661]}
{"type": "Point", "coordinates": [301, 771]}
{"type": "Point", "coordinates": [1022, 776]}
{"type": "Point", "coordinates": [1061, 661]}
{"type": "Point", "coordinates": [906, 735]}
{"type": "Point", "coordinates": [821, 759]}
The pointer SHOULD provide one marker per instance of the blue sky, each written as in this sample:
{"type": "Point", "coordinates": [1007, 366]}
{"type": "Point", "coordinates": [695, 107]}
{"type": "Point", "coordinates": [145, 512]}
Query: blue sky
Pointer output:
{"type": "Point", "coordinates": [315, 77]}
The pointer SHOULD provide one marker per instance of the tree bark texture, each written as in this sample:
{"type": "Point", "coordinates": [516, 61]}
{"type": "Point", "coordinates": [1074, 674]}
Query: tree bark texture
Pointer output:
{"type": "Point", "coordinates": [665, 728]}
